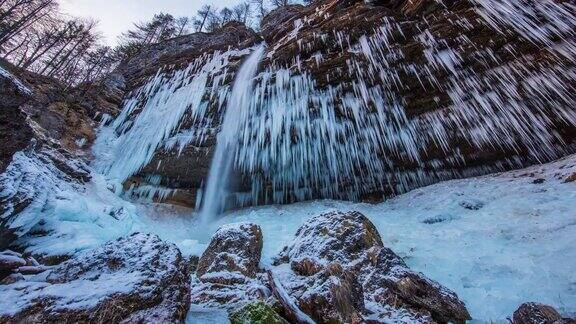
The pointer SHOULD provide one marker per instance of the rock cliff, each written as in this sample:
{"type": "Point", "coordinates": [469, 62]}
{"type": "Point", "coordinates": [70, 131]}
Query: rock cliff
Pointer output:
{"type": "Point", "coordinates": [357, 100]}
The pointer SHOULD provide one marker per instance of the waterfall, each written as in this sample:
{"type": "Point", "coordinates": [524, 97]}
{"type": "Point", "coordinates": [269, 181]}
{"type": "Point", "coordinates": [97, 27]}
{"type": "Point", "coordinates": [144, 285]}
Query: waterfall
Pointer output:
{"type": "Point", "coordinates": [237, 110]}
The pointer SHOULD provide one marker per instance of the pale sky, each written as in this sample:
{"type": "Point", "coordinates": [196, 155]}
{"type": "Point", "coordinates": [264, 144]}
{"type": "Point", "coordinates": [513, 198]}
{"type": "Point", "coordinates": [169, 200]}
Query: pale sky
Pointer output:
{"type": "Point", "coordinates": [117, 16]}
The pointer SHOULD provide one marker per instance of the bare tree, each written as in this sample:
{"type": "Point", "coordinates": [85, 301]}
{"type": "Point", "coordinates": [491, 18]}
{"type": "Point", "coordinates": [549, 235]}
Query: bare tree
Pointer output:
{"type": "Point", "coordinates": [202, 16]}
{"type": "Point", "coordinates": [241, 12]}
{"type": "Point", "coordinates": [280, 3]}
{"type": "Point", "coordinates": [17, 15]}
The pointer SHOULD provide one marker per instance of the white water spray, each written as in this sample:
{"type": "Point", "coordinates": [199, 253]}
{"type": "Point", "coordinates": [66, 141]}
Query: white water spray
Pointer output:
{"type": "Point", "coordinates": [237, 110]}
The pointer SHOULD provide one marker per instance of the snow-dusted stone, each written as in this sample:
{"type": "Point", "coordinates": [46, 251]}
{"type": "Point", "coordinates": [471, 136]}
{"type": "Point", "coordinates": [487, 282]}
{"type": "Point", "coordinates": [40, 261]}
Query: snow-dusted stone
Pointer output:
{"type": "Point", "coordinates": [535, 313]}
{"type": "Point", "coordinates": [338, 270]}
{"type": "Point", "coordinates": [9, 262]}
{"type": "Point", "coordinates": [332, 237]}
{"type": "Point", "coordinates": [138, 278]}
{"type": "Point", "coordinates": [235, 250]}
{"type": "Point", "coordinates": [227, 275]}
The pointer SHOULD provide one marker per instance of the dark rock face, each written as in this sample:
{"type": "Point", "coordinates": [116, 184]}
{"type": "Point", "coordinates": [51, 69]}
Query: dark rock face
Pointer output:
{"type": "Point", "coordinates": [228, 274]}
{"type": "Point", "coordinates": [233, 248]}
{"type": "Point", "coordinates": [178, 52]}
{"type": "Point", "coordinates": [14, 130]}
{"type": "Point", "coordinates": [136, 279]}
{"type": "Point", "coordinates": [341, 272]}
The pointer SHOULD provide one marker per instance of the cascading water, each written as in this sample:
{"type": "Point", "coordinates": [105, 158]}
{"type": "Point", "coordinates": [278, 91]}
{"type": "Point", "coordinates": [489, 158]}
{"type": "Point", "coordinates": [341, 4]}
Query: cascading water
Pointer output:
{"type": "Point", "coordinates": [238, 109]}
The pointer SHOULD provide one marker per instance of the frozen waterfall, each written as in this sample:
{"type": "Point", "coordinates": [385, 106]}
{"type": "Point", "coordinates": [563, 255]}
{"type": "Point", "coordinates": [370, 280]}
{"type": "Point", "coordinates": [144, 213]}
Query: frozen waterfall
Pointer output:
{"type": "Point", "coordinates": [237, 110]}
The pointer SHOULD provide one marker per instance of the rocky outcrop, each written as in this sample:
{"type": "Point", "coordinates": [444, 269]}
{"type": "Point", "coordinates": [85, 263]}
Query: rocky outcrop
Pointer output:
{"type": "Point", "coordinates": [178, 53]}
{"type": "Point", "coordinates": [13, 267]}
{"type": "Point", "coordinates": [366, 99]}
{"type": "Point", "coordinates": [233, 248]}
{"type": "Point", "coordinates": [340, 271]}
{"type": "Point", "coordinates": [136, 279]}
{"type": "Point", "coordinates": [14, 130]}
{"type": "Point", "coordinates": [47, 130]}
{"type": "Point", "coordinates": [228, 274]}
{"type": "Point", "coordinates": [535, 313]}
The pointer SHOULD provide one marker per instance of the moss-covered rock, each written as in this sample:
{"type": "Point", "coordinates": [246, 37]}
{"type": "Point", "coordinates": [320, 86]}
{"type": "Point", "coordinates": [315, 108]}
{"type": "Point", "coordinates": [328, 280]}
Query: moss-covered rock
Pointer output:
{"type": "Point", "coordinates": [256, 313]}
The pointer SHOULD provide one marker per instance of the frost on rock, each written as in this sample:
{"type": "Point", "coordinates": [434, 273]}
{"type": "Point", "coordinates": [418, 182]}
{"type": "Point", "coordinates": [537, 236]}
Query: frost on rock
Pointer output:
{"type": "Point", "coordinates": [535, 313]}
{"type": "Point", "coordinates": [30, 183]}
{"type": "Point", "coordinates": [233, 248]}
{"type": "Point", "coordinates": [133, 279]}
{"type": "Point", "coordinates": [228, 273]}
{"type": "Point", "coordinates": [338, 270]}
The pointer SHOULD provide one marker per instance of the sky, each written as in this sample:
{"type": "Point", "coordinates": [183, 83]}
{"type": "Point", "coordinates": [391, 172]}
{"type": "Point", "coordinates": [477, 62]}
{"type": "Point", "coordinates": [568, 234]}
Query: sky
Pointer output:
{"type": "Point", "coordinates": [117, 16]}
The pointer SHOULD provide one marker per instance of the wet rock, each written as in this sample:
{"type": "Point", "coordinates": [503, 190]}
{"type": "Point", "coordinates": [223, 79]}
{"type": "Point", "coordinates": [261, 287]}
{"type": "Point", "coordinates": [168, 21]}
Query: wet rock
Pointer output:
{"type": "Point", "coordinates": [134, 279]}
{"type": "Point", "coordinates": [12, 278]}
{"type": "Point", "coordinates": [234, 248]}
{"type": "Point", "coordinates": [338, 270]}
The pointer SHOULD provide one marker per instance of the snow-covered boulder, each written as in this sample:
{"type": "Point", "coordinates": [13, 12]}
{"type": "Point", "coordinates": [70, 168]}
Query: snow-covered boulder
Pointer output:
{"type": "Point", "coordinates": [138, 278]}
{"type": "Point", "coordinates": [235, 248]}
{"type": "Point", "coordinates": [535, 313]}
{"type": "Point", "coordinates": [332, 237]}
{"type": "Point", "coordinates": [228, 275]}
{"type": "Point", "coordinates": [338, 270]}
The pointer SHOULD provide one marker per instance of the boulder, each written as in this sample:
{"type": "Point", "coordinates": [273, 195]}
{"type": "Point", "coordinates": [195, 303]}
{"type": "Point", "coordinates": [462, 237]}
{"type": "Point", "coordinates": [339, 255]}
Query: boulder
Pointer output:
{"type": "Point", "coordinates": [535, 313]}
{"type": "Point", "coordinates": [234, 248]}
{"type": "Point", "coordinates": [332, 237]}
{"type": "Point", "coordinates": [227, 275]}
{"type": "Point", "coordinates": [134, 279]}
{"type": "Point", "coordinates": [338, 270]}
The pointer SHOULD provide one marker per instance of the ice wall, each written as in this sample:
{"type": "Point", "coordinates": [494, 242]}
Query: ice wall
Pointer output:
{"type": "Point", "coordinates": [301, 140]}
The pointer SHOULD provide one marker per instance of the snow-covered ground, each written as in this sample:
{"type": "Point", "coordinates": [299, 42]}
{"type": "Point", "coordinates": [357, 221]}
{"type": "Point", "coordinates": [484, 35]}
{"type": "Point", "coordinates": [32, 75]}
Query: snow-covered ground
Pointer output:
{"type": "Point", "coordinates": [497, 240]}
